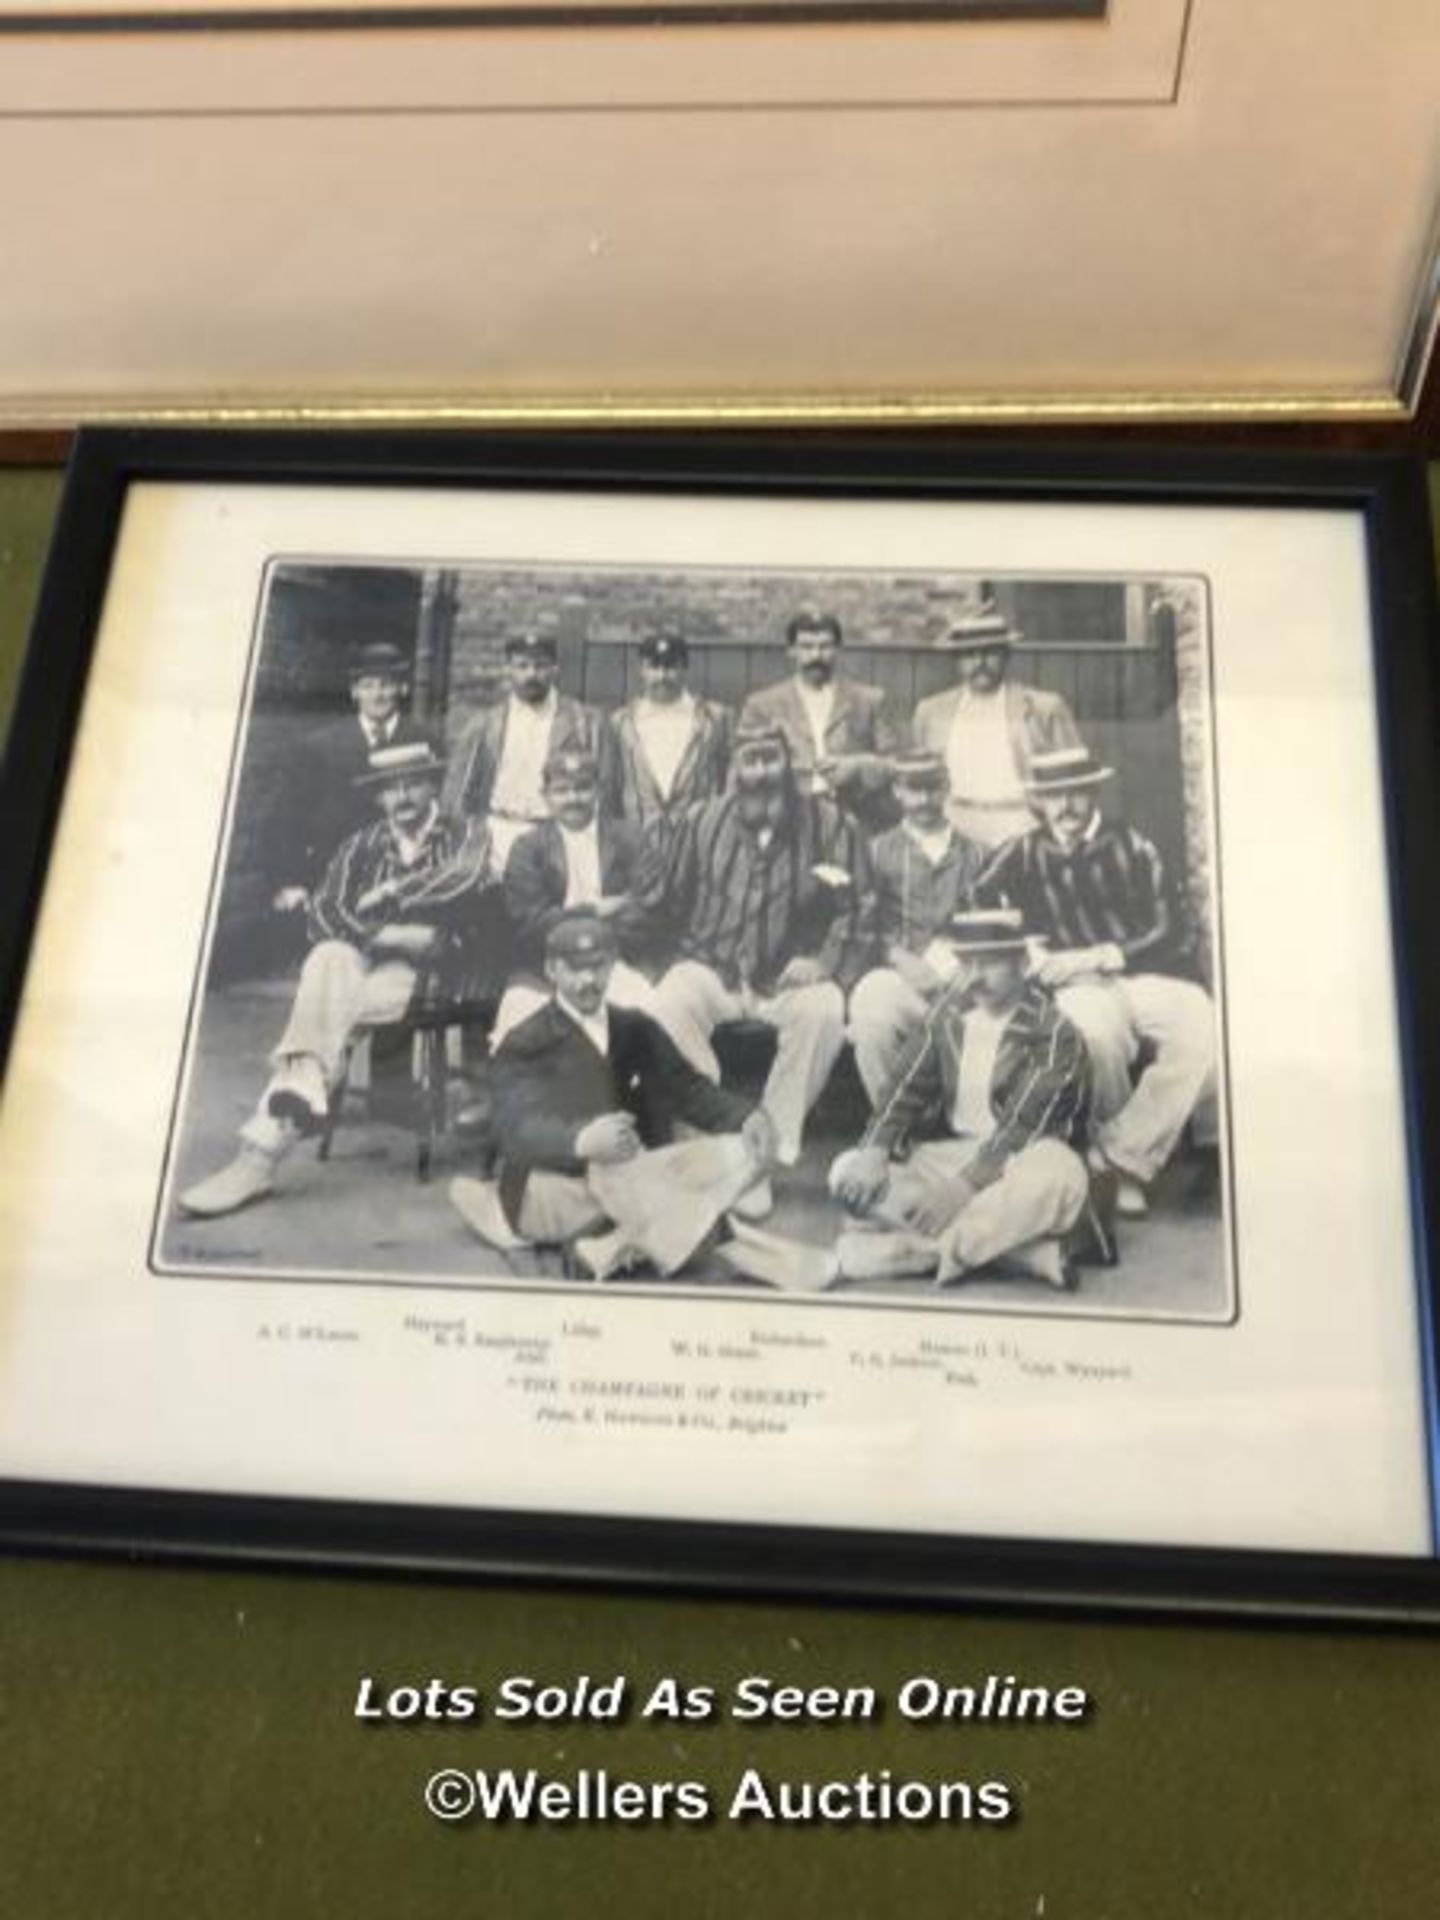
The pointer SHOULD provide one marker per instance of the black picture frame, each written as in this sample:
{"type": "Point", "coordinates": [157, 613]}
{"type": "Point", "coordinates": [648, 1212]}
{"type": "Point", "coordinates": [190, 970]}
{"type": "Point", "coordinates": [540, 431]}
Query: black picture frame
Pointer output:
{"type": "Point", "coordinates": [871, 1562]}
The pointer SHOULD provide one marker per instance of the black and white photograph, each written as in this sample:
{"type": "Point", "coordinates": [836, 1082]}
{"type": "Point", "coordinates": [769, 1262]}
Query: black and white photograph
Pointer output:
{"type": "Point", "coordinates": [851, 935]}
{"type": "Point", "coordinates": [813, 1008]}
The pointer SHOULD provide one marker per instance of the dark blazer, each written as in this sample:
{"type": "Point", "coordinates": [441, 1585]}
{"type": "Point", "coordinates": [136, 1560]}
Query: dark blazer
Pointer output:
{"type": "Point", "coordinates": [699, 776]}
{"type": "Point", "coordinates": [536, 878]}
{"type": "Point", "coordinates": [475, 755]}
{"type": "Point", "coordinates": [318, 803]}
{"type": "Point", "coordinates": [549, 1082]}
{"type": "Point", "coordinates": [862, 721]}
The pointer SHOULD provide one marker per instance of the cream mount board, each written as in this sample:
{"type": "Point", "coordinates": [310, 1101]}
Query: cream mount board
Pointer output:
{"type": "Point", "coordinates": [1186, 208]}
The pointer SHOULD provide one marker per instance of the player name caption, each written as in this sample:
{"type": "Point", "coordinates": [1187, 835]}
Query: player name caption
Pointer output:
{"type": "Point", "coordinates": [754, 1384]}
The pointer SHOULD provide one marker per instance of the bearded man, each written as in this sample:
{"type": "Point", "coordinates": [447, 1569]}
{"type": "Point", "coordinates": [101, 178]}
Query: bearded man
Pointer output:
{"type": "Point", "coordinates": [766, 896]}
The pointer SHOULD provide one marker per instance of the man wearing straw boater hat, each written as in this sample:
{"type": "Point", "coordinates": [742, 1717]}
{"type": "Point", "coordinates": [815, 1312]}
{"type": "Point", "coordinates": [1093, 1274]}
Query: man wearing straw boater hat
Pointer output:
{"type": "Point", "coordinates": [987, 728]}
{"type": "Point", "coordinates": [1095, 892]}
{"type": "Point", "coordinates": [588, 1096]}
{"type": "Point", "coordinates": [387, 896]}
{"type": "Point", "coordinates": [970, 1159]}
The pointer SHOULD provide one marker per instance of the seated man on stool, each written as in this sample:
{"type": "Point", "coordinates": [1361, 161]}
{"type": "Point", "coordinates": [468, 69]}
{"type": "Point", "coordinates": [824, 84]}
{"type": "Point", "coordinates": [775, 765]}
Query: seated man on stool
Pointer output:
{"type": "Point", "coordinates": [375, 917]}
{"type": "Point", "coordinates": [1094, 891]}
{"type": "Point", "coordinates": [995, 1094]}
{"type": "Point", "coordinates": [588, 1097]}
{"type": "Point", "coordinates": [922, 869]}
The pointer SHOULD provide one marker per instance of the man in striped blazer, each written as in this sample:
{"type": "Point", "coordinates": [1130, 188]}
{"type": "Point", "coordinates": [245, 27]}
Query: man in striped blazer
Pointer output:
{"type": "Point", "coordinates": [971, 1157]}
{"type": "Point", "coordinates": [1095, 891]}
{"type": "Point", "coordinates": [923, 870]}
{"type": "Point", "coordinates": [765, 897]}
{"type": "Point", "coordinates": [673, 748]}
{"type": "Point", "coordinates": [389, 895]}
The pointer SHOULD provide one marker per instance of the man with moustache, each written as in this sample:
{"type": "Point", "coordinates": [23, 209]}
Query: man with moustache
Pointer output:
{"type": "Point", "coordinates": [840, 732]}
{"type": "Point", "coordinates": [498, 765]}
{"type": "Point", "coordinates": [765, 894]}
{"type": "Point", "coordinates": [922, 871]}
{"type": "Point", "coordinates": [987, 728]}
{"type": "Point", "coordinates": [673, 747]}
{"type": "Point", "coordinates": [971, 1156]}
{"type": "Point", "coordinates": [1118, 959]}
{"type": "Point", "coordinates": [388, 898]}
{"type": "Point", "coordinates": [588, 1095]}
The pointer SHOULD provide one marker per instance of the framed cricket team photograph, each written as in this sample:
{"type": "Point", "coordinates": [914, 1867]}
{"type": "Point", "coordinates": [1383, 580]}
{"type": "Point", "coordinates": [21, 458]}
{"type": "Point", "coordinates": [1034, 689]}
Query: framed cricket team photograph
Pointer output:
{"type": "Point", "coordinates": [835, 1015]}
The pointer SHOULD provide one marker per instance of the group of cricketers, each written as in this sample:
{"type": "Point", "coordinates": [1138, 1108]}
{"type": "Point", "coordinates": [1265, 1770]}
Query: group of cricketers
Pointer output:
{"type": "Point", "coordinates": [947, 893]}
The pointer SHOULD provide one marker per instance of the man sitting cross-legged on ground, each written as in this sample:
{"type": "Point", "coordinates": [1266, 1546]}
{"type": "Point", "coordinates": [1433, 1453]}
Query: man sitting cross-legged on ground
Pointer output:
{"type": "Point", "coordinates": [588, 1097]}
{"type": "Point", "coordinates": [922, 871]}
{"type": "Point", "coordinates": [376, 916]}
{"type": "Point", "coordinates": [765, 893]}
{"type": "Point", "coordinates": [995, 1093]}
{"type": "Point", "coordinates": [1094, 890]}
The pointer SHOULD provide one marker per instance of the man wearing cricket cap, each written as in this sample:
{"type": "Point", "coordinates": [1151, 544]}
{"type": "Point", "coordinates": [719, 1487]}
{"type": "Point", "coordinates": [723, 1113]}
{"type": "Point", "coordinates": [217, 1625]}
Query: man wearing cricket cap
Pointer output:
{"type": "Point", "coordinates": [390, 893]}
{"type": "Point", "coordinates": [673, 747]}
{"type": "Point", "coordinates": [922, 871]}
{"type": "Point", "coordinates": [497, 768]}
{"type": "Point", "coordinates": [970, 1159]}
{"type": "Point", "coordinates": [987, 728]}
{"type": "Point", "coordinates": [1119, 959]}
{"type": "Point", "coordinates": [587, 1100]}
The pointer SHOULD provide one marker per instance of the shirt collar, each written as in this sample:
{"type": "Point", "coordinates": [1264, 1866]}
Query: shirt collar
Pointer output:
{"type": "Point", "coordinates": [926, 837]}
{"type": "Point", "coordinates": [595, 1027]}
